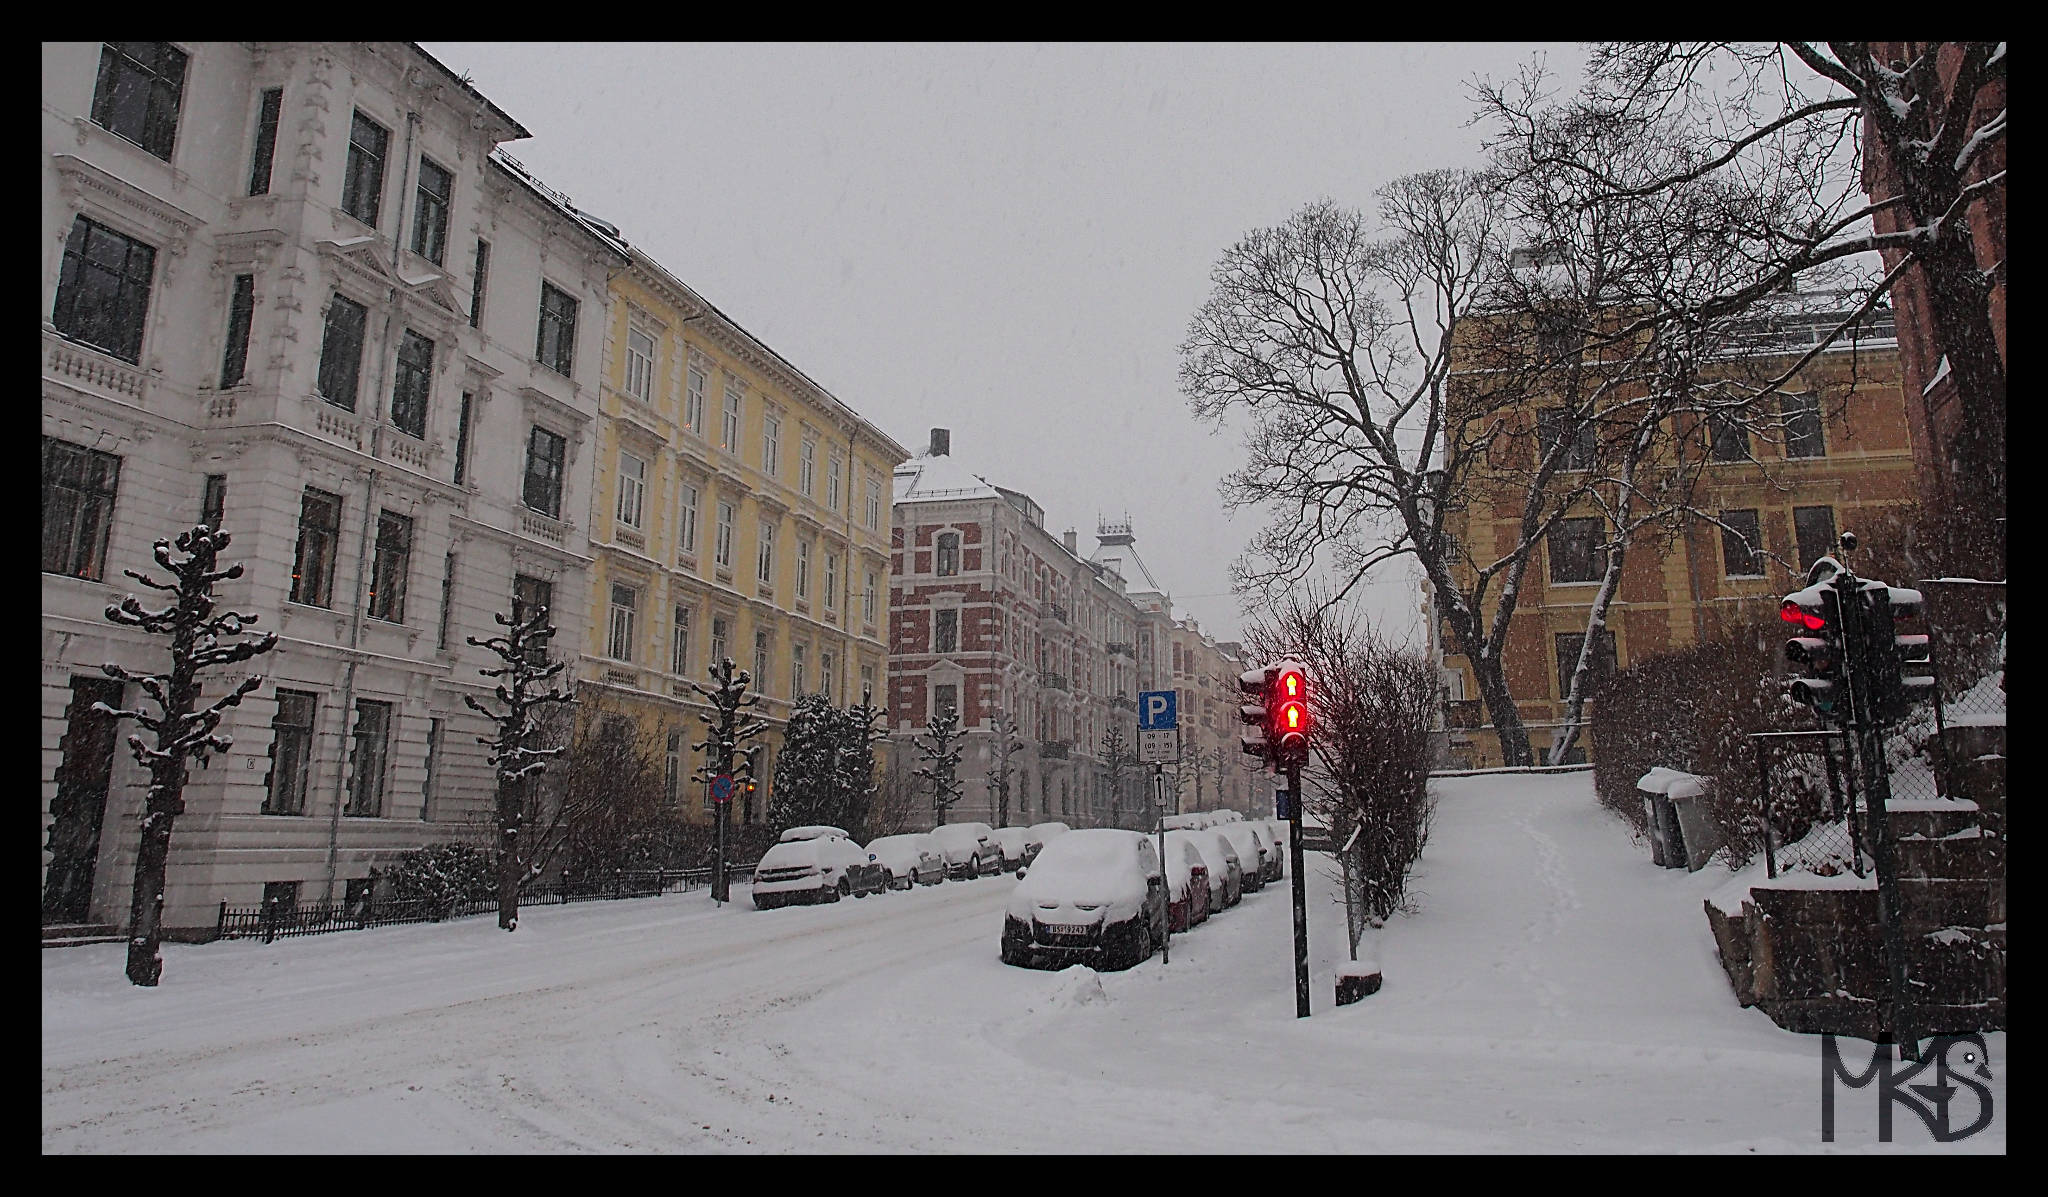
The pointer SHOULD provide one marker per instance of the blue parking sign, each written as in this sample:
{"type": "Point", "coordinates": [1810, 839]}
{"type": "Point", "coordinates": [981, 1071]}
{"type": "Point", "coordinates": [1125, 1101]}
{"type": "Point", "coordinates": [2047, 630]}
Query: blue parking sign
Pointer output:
{"type": "Point", "coordinates": [1158, 710]}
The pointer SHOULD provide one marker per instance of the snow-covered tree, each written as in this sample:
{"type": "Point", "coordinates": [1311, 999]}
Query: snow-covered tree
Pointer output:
{"type": "Point", "coordinates": [810, 785]}
{"type": "Point", "coordinates": [730, 727]}
{"type": "Point", "coordinates": [864, 726]}
{"type": "Point", "coordinates": [940, 752]}
{"type": "Point", "coordinates": [1116, 759]}
{"type": "Point", "coordinates": [523, 669]}
{"type": "Point", "coordinates": [200, 639]}
{"type": "Point", "coordinates": [1002, 751]}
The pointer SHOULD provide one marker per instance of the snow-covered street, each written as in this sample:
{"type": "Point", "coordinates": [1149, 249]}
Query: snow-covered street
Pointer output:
{"type": "Point", "coordinates": [1556, 992]}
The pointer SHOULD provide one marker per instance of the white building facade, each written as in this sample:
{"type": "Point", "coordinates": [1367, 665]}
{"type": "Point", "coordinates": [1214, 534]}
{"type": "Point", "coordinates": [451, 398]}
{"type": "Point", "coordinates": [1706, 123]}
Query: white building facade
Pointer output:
{"type": "Point", "coordinates": [288, 289]}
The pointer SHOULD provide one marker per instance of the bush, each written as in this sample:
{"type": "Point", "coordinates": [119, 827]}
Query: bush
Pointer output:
{"type": "Point", "coordinates": [443, 873]}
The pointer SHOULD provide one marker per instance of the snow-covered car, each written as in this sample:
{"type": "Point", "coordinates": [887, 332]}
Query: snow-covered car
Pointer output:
{"type": "Point", "coordinates": [908, 860]}
{"type": "Point", "coordinates": [1014, 846]}
{"type": "Point", "coordinates": [1037, 835]}
{"type": "Point", "coordinates": [1251, 853]}
{"type": "Point", "coordinates": [967, 850]}
{"type": "Point", "coordinates": [1095, 895]}
{"type": "Point", "coordinates": [1269, 863]}
{"type": "Point", "coordinates": [815, 867]}
{"type": "Point", "coordinates": [1226, 876]}
{"type": "Point", "coordinates": [1276, 835]}
{"type": "Point", "coordinates": [1187, 885]}
{"type": "Point", "coordinates": [1187, 822]}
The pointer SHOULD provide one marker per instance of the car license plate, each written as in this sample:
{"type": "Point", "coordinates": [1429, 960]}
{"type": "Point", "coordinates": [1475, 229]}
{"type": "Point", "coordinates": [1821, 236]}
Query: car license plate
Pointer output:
{"type": "Point", "coordinates": [1067, 929]}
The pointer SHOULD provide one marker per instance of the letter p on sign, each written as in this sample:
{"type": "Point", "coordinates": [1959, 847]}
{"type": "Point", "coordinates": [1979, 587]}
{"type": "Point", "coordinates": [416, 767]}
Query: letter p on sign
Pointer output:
{"type": "Point", "coordinates": [1156, 710]}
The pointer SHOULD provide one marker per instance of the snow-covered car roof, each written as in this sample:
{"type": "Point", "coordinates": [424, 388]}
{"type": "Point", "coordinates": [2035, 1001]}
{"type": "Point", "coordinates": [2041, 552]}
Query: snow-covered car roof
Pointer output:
{"type": "Point", "coordinates": [1009, 836]}
{"type": "Point", "coordinates": [958, 834]}
{"type": "Point", "coordinates": [1182, 858]}
{"type": "Point", "coordinates": [913, 840]}
{"type": "Point", "coordinates": [1215, 850]}
{"type": "Point", "coordinates": [791, 853]}
{"type": "Point", "coordinates": [1093, 864]}
{"type": "Point", "coordinates": [1038, 833]}
{"type": "Point", "coordinates": [811, 832]}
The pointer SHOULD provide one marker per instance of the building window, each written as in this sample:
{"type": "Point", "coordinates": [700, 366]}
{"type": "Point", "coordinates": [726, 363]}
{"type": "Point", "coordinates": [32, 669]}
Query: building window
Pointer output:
{"type": "Point", "coordinates": [137, 96]}
{"type": "Point", "coordinates": [430, 212]}
{"type": "Point", "coordinates": [761, 662]}
{"type": "Point", "coordinates": [679, 643]}
{"type": "Point", "coordinates": [372, 744]}
{"type": "Point", "coordinates": [427, 786]}
{"type": "Point", "coordinates": [874, 503]}
{"type": "Point", "coordinates": [619, 638]}
{"type": "Point", "coordinates": [234, 362]}
{"type": "Point", "coordinates": [832, 484]}
{"type": "Point", "coordinates": [415, 379]}
{"type": "Point", "coordinates": [673, 779]}
{"type": "Point", "coordinates": [730, 431]}
{"type": "Point", "coordinates": [1554, 427]}
{"type": "Point", "coordinates": [949, 554]}
{"type": "Point", "coordinates": [462, 439]}
{"type": "Point", "coordinates": [266, 140]}
{"type": "Point", "coordinates": [477, 279]}
{"type": "Point", "coordinates": [945, 699]}
{"type": "Point", "coordinates": [632, 489]}
{"type": "Point", "coordinates": [103, 289]}
{"type": "Point", "coordinates": [639, 365]}
{"type": "Point", "coordinates": [280, 899]}
{"type": "Point", "coordinates": [319, 532]}
{"type": "Point", "coordinates": [528, 596]}
{"type": "Point", "coordinates": [686, 504]}
{"type": "Point", "coordinates": [867, 600]}
{"type": "Point", "coordinates": [1742, 546]}
{"type": "Point", "coordinates": [341, 351]}
{"type": "Point", "coordinates": [362, 180]}
{"type": "Point", "coordinates": [803, 569]}
{"type": "Point", "coordinates": [945, 631]}
{"type": "Point", "coordinates": [719, 639]}
{"type": "Point", "coordinates": [542, 491]}
{"type": "Point", "coordinates": [1576, 554]}
{"type": "Point", "coordinates": [447, 600]}
{"type": "Point", "coordinates": [213, 501]}
{"type": "Point", "coordinates": [807, 467]}
{"type": "Point", "coordinates": [826, 669]}
{"type": "Point", "coordinates": [764, 562]}
{"type": "Point", "coordinates": [867, 681]}
{"type": "Point", "coordinates": [1814, 529]}
{"type": "Point", "coordinates": [831, 581]}
{"type": "Point", "coordinates": [78, 508]}
{"type": "Point", "coordinates": [1803, 434]}
{"type": "Point", "coordinates": [721, 546]}
{"type": "Point", "coordinates": [796, 671]}
{"type": "Point", "coordinates": [1730, 440]}
{"type": "Point", "coordinates": [387, 576]}
{"type": "Point", "coordinates": [771, 444]}
{"type": "Point", "coordinates": [291, 754]}
{"type": "Point", "coordinates": [1568, 644]}
{"type": "Point", "coordinates": [555, 344]}
{"type": "Point", "coordinates": [693, 401]}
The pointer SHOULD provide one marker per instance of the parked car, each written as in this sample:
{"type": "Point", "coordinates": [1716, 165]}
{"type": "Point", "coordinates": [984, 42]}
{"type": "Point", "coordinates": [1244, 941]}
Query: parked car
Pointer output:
{"type": "Point", "coordinates": [967, 850]}
{"type": "Point", "coordinates": [1226, 875]}
{"type": "Point", "coordinates": [1014, 846]}
{"type": "Point", "coordinates": [1277, 836]}
{"type": "Point", "coordinates": [1251, 853]}
{"type": "Point", "coordinates": [1189, 822]}
{"type": "Point", "coordinates": [1187, 885]}
{"type": "Point", "coordinates": [820, 864]}
{"type": "Point", "coordinates": [1036, 835]}
{"type": "Point", "coordinates": [1096, 895]}
{"type": "Point", "coordinates": [909, 860]}
{"type": "Point", "coordinates": [1270, 844]}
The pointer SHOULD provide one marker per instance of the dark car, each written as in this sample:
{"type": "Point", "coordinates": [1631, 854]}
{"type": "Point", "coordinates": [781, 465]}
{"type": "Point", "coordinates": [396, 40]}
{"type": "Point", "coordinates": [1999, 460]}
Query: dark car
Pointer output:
{"type": "Point", "coordinates": [1095, 896]}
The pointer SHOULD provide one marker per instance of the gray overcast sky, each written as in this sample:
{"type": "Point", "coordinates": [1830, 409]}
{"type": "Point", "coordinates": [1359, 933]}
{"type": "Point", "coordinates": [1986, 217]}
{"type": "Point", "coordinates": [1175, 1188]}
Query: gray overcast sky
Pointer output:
{"type": "Point", "coordinates": [1005, 240]}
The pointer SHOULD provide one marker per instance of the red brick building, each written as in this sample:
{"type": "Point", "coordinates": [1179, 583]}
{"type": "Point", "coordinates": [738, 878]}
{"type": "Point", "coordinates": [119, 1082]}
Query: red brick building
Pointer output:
{"type": "Point", "coordinates": [992, 615]}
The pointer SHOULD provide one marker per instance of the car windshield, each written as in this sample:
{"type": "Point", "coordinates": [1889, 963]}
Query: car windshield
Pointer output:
{"type": "Point", "coordinates": [791, 855]}
{"type": "Point", "coordinates": [1083, 857]}
{"type": "Point", "coordinates": [957, 835]}
{"type": "Point", "coordinates": [894, 844]}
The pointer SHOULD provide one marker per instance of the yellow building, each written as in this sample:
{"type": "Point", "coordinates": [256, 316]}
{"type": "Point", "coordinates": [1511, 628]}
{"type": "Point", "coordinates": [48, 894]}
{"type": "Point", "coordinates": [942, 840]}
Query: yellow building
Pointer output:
{"type": "Point", "coordinates": [1835, 456]}
{"type": "Point", "coordinates": [739, 510]}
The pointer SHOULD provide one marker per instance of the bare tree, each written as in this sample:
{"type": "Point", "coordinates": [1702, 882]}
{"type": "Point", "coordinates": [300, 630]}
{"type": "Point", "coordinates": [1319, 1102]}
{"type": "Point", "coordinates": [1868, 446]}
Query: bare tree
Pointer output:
{"type": "Point", "coordinates": [1116, 756]}
{"type": "Point", "coordinates": [938, 749]}
{"type": "Point", "coordinates": [1005, 746]}
{"type": "Point", "coordinates": [521, 652]}
{"type": "Point", "coordinates": [897, 808]}
{"type": "Point", "coordinates": [182, 733]}
{"type": "Point", "coordinates": [604, 806]}
{"type": "Point", "coordinates": [1785, 126]}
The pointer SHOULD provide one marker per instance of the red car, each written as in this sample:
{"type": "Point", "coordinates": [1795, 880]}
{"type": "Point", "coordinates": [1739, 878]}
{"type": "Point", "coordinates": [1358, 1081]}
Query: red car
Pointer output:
{"type": "Point", "coordinates": [1187, 885]}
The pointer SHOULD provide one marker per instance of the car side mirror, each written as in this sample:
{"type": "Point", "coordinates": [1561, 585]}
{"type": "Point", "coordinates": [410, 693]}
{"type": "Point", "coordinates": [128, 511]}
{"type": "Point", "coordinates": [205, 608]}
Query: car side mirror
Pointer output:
{"type": "Point", "coordinates": [871, 858]}
{"type": "Point", "coordinates": [1020, 872]}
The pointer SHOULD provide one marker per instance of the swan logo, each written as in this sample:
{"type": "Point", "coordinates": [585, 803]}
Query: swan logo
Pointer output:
{"type": "Point", "coordinates": [1959, 1062]}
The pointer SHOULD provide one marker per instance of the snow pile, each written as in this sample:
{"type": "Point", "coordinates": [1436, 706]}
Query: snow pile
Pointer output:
{"type": "Point", "coordinates": [1077, 986]}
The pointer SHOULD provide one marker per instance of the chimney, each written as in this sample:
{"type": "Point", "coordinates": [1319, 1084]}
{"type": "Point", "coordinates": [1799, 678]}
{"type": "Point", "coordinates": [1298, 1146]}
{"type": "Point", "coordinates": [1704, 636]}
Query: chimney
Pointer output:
{"type": "Point", "coordinates": [942, 442]}
{"type": "Point", "coordinates": [1073, 542]}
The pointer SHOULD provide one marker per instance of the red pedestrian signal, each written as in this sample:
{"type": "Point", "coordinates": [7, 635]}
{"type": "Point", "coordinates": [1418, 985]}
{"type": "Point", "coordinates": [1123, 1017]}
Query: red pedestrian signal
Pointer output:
{"type": "Point", "coordinates": [1287, 717]}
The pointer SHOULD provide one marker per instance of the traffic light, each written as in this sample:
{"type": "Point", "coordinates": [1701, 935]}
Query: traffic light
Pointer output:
{"type": "Point", "coordinates": [1287, 717]}
{"type": "Point", "coordinates": [1900, 654]}
{"type": "Point", "coordinates": [1252, 686]}
{"type": "Point", "coordinates": [1817, 612]}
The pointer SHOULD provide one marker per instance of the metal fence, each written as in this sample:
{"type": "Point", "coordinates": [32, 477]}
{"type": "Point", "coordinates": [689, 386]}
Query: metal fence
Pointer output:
{"type": "Point", "coordinates": [275, 920]}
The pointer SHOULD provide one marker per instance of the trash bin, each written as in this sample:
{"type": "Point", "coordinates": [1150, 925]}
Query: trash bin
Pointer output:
{"type": "Point", "coordinates": [1662, 789]}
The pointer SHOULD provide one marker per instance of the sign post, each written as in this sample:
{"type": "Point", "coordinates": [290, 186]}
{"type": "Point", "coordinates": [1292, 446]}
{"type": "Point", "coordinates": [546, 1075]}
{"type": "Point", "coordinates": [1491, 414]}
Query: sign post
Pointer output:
{"type": "Point", "coordinates": [721, 799]}
{"type": "Point", "coordinates": [1159, 742]}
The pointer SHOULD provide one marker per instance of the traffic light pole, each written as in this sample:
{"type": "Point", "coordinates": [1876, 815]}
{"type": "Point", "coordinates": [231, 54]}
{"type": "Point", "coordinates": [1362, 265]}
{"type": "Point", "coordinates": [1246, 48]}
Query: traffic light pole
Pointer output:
{"type": "Point", "coordinates": [1159, 812]}
{"type": "Point", "coordinates": [1300, 894]}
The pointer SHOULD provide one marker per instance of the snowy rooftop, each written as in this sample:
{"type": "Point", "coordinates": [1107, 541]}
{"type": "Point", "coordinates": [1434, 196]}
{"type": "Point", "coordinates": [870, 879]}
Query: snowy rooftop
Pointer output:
{"type": "Point", "coordinates": [925, 478]}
